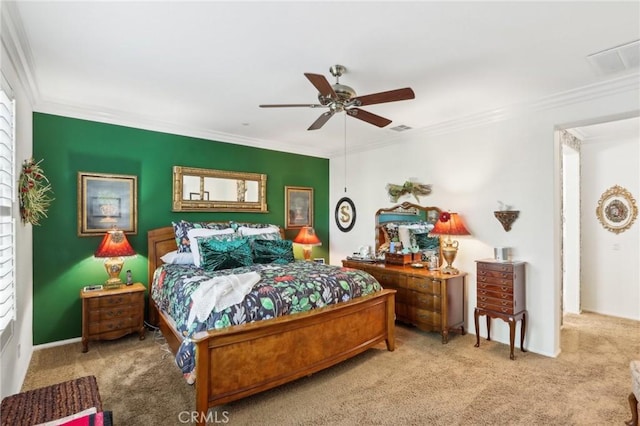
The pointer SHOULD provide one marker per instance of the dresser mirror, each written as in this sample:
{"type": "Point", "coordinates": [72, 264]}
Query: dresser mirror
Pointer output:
{"type": "Point", "coordinates": [409, 224]}
{"type": "Point", "coordinates": [196, 189]}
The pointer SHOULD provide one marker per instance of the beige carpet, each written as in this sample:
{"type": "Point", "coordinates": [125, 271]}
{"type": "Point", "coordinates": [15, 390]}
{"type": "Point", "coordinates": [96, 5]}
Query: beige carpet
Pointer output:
{"type": "Point", "coordinates": [421, 383]}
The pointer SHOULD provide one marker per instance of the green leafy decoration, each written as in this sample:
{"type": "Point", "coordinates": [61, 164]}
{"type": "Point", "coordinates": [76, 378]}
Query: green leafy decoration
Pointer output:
{"type": "Point", "coordinates": [266, 303]}
{"type": "Point", "coordinates": [416, 189]}
{"type": "Point", "coordinates": [33, 192]}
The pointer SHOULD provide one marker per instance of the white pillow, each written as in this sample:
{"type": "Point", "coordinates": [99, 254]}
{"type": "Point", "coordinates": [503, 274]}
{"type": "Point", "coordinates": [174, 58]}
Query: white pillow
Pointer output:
{"type": "Point", "coordinates": [173, 257]}
{"type": "Point", "coordinates": [245, 231]}
{"type": "Point", "coordinates": [193, 235]}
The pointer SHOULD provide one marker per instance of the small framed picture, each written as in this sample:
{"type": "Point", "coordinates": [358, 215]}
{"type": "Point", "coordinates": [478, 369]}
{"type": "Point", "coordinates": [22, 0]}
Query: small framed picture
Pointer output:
{"type": "Point", "coordinates": [106, 201]}
{"type": "Point", "coordinates": [319, 260]}
{"type": "Point", "coordinates": [298, 207]}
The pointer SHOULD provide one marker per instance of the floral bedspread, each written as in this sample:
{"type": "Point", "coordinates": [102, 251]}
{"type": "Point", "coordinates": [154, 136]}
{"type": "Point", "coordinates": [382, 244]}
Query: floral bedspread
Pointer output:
{"type": "Point", "coordinates": [283, 289]}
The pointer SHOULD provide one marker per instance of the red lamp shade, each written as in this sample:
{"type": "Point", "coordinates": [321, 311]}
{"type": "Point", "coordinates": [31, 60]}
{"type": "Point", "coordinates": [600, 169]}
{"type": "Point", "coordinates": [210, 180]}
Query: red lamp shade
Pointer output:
{"type": "Point", "coordinates": [114, 247]}
{"type": "Point", "coordinates": [454, 226]}
{"type": "Point", "coordinates": [307, 238]}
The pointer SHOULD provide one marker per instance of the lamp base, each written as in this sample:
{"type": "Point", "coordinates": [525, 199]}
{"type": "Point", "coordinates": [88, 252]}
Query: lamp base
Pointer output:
{"type": "Point", "coordinates": [113, 265]}
{"type": "Point", "coordinates": [449, 270]}
{"type": "Point", "coordinates": [306, 251]}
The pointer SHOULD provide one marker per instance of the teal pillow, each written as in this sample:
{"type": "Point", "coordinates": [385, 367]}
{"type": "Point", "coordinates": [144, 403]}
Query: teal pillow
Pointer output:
{"type": "Point", "coordinates": [215, 255]}
{"type": "Point", "coordinates": [272, 251]}
{"type": "Point", "coordinates": [425, 242]}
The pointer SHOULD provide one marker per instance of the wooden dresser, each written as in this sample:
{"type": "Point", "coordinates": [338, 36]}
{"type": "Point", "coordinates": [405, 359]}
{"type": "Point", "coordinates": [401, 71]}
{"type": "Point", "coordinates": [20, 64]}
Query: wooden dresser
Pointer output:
{"type": "Point", "coordinates": [110, 314]}
{"type": "Point", "coordinates": [501, 294]}
{"type": "Point", "coordinates": [429, 300]}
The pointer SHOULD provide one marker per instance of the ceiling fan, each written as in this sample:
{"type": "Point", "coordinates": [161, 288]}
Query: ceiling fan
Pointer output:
{"type": "Point", "coordinates": [339, 97]}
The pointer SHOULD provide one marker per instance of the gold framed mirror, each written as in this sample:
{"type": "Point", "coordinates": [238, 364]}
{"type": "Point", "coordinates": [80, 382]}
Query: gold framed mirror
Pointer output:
{"type": "Point", "coordinates": [196, 189]}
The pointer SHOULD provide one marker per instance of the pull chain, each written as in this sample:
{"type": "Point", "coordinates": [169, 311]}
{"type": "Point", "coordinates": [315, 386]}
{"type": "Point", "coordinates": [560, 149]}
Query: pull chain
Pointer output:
{"type": "Point", "coordinates": [345, 152]}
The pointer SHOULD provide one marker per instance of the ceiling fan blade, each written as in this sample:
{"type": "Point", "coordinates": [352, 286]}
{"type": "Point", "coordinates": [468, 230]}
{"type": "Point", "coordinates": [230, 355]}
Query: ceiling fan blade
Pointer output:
{"type": "Point", "coordinates": [321, 120]}
{"type": "Point", "coordinates": [290, 105]}
{"type": "Point", "coordinates": [363, 115]}
{"type": "Point", "coordinates": [321, 83]}
{"type": "Point", "coordinates": [382, 97]}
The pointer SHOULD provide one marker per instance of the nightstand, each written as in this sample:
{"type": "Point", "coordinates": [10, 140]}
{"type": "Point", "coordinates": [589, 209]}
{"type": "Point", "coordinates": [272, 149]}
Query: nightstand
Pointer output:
{"type": "Point", "coordinates": [110, 314]}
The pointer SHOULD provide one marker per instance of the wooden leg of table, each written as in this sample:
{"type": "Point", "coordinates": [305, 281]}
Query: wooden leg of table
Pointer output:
{"type": "Point", "coordinates": [475, 320]}
{"type": "Point", "coordinates": [488, 327]}
{"type": "Point", "coordinates": [633, 404]}
{"type": "Point", "coordinates": [523, 330]}
{"type": "Point", "coordinates": [512, 336]}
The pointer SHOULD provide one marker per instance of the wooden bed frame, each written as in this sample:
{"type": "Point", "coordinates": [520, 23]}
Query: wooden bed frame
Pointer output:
{"type": "Point", "coordinates": [246, 359]}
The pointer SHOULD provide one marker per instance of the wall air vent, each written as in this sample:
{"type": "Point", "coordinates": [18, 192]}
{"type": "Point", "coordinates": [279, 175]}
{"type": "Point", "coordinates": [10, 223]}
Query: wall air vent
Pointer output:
{"type": "Point", "coordinates": [617, 59]}
{"type": "Point", "coordinates": [400, 128]}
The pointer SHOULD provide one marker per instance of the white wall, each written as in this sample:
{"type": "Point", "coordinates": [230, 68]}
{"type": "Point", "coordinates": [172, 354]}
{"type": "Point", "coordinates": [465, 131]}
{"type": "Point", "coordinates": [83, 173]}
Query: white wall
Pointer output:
{"type": "Point", "coordinates": [610, 274]}
{"type": "Point", "coordinates": [571, 230]}
{"type": "Point", "coordinates": [14, 360]}
{"type": "Point", "coordinates": [515, 160]}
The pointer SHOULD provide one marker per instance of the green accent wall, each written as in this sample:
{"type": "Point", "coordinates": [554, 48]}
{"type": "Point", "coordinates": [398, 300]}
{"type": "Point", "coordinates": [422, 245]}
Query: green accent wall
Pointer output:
{"type": "Point", "coordinates": [63, 262]}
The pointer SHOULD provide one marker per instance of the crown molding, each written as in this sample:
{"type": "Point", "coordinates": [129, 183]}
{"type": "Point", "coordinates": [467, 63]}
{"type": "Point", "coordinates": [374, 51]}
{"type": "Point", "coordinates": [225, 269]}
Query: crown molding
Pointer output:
{"type": "Point", "coordinates": [15, 42]}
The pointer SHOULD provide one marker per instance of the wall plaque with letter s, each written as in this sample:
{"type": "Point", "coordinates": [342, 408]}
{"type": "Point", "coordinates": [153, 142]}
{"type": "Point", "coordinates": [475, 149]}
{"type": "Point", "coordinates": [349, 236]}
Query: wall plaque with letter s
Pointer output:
{"type": "Point", "coordinates": [345, 214]}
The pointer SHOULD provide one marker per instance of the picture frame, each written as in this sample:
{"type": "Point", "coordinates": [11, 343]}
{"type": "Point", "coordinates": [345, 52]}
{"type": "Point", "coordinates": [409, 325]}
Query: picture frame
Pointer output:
{"type": "Point", "coordinates": [345, 214]}
{"type": "Point", "coordinates": [617, 209]}
{"type": "Point", "coordinates": [107, 201]}
{"type": "Point", "coordinates": [298, 207]}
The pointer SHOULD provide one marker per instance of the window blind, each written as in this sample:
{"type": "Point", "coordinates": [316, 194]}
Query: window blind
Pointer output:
{"type": "Point", "coordinates": [7, 223]}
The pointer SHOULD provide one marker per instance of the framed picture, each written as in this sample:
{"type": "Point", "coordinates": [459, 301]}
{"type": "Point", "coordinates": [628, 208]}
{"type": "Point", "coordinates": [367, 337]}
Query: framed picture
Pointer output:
{"type": "Point", "coordinates": [345, 214]}
{"type": "Point", "coordinates": [616, 209]}
{"type": "Point", "coordinates": [107, 201]}
{"type": "Point", "coordinates": [298, 207]}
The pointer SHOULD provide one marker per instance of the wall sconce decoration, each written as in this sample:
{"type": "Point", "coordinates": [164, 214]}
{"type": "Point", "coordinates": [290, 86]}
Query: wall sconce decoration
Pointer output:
{"type": "Point", "coordinates": [33, 192]}
{"type": "Point", "coordinates": [616, 209]}
{"type": "Point", "coordinates": [506, 218]}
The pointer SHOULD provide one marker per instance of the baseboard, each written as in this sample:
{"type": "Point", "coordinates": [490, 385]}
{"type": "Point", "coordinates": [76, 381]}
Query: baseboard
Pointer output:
{"type": "Point", "coordinates": [58, 343]}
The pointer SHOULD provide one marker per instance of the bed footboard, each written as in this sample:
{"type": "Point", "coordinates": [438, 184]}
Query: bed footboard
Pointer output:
{"type": "Point", "coordinates": [251, 358]}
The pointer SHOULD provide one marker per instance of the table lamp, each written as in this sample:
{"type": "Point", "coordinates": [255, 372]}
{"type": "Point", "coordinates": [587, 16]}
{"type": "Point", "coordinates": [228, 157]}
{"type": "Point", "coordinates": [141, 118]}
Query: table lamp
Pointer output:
{"type": "Point", "coordinates": [114, 247]}
{"type": "Point", "coordinates": [307, 238]}
{"type": "Point", "coordinates": [449, 224]}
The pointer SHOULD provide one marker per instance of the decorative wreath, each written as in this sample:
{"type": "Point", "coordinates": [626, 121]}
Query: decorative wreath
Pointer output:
{"type": "Point", "coordinates": [33, 192]}
{"type": "Point", "coordinates": [409, 187]}
{"type": "Point", "coordinates": [617, 209]}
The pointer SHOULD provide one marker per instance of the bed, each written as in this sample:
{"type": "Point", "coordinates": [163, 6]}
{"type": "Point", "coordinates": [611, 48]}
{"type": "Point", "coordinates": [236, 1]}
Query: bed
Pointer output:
{"type": "Point", "coordinates": [241, 360]}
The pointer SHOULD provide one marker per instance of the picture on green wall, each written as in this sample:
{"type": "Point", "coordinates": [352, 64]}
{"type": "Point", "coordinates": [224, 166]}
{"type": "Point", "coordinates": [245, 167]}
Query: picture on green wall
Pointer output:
{"type": "Point", "coordinates": [106, 201]}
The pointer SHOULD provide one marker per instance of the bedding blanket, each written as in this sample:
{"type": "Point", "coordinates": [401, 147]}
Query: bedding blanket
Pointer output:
{"type": "Point", "coordinates": [282, 290]}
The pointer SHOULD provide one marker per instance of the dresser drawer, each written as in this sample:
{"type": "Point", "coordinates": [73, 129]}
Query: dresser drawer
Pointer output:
{"type": "Point", "coordinates": [495, 280]}
{"type": "Point", "coordinates": [113, 312]}
{"type": "Point", "coordinates": [496, 288]}
{"type": "Point", "coordinates": [494, 294]}
{"type": "Point", "coordinates": [423, 284]}
{"type": "Point", "coordinates": [496, 301]}
{"type": "Point", "coordinates": [429, 318]}
{"type": "Point", "coordinates": [426, 301]}
{"type": "Point", "coordinates": [116, 299]}
{"type": "Point", "coordinates": [388, 279]}
{"type": "Point", "coordinates": [497, 308]}
{"type": "Point", "coordinates": [113, 325]}
{"type": "Point", "coordinates": [495, 267]}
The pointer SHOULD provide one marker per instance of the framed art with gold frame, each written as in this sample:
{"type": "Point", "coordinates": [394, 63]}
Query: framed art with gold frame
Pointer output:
{"type": "Point", "coordinates": [107, 201]}
{"type": "Point", "coordinates": [298, 207]}
{"type": "Point", "coordinates": [616, 209]}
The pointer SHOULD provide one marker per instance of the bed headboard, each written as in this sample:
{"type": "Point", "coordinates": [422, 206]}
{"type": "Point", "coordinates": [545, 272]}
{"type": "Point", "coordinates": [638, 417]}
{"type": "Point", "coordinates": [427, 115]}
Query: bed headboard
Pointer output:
{"type": "Point", "coordinates": [405, 212]}
{"type": "Point", "coordinates": [160, 242]}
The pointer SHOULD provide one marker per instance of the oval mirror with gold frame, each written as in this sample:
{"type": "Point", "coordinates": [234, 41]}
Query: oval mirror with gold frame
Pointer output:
{"type": "Point", "coordinates": [196, 189]}
{"type": "Point", "coordinates": [616, 209]}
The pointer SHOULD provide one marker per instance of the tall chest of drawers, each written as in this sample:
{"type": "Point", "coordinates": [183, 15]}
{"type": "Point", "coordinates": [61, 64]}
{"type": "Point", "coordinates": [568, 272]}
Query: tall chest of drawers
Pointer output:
{"type": "Point", "coordinates": [427, 299]}
{"type": "Point", "coordinates": [501, 294]}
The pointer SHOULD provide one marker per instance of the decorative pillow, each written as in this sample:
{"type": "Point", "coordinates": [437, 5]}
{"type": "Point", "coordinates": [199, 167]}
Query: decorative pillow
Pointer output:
{"type": "Point", "coordinates": [236, 225]}
{"type": "Point", "coordinates": [273, 251]}
{"type": "Point", "coordinates": [182, 228]}
{"type": "Point", "coordinates": [269, 233]}
{"type": "Point", "coordinates": [196, 234]}
{"type": "Point", "coordinates": [425, 242]}
{"type": "Point", "coordinates": [215, 255]}
{"type": "Point", "coordinates": [173, 257]}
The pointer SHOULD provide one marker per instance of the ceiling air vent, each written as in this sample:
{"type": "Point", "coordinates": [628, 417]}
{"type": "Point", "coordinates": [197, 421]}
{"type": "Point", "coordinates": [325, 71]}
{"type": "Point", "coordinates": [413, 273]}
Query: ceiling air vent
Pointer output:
{"type": "Point", "coordinates": [400, 128]}
{"type": "Point", "coordinates": [616, 59]}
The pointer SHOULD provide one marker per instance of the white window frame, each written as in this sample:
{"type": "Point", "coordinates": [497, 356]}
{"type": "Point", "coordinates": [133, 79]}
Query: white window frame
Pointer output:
{"type": "Point", "coordinates": [7, 221]}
